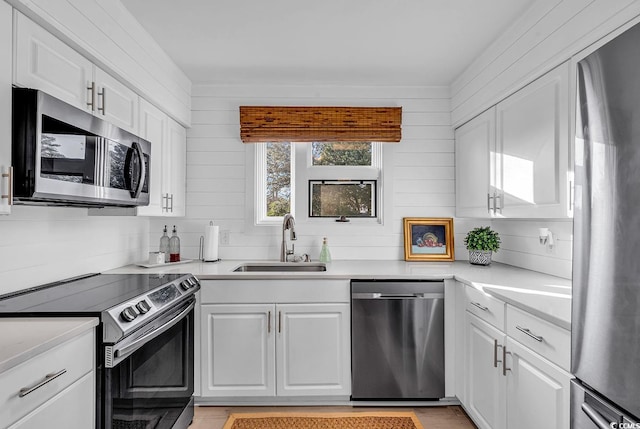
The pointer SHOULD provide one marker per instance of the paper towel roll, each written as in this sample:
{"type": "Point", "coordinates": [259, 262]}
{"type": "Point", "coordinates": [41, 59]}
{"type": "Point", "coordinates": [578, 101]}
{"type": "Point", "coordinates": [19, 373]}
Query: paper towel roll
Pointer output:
{"type": "Point", "coordinates": [210, 245]}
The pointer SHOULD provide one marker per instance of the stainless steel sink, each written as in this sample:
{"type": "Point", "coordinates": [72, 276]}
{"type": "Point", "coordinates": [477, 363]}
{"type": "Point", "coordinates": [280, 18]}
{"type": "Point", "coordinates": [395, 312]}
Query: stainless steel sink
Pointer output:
{"type": "Point", "coordinates": [281, 267]}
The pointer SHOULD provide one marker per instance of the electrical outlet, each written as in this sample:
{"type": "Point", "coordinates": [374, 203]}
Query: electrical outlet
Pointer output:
{"type": "Point", "coordinates": [224, 236]}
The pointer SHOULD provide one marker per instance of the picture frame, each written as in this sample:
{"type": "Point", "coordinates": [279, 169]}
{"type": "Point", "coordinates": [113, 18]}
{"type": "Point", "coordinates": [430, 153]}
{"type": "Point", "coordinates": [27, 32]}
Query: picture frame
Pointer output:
{"type": "Point", "coordinates": [428, 239]}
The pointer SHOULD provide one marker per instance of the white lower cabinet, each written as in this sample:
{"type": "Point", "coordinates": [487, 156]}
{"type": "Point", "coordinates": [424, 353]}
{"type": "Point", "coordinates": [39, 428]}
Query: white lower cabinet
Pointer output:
{"type": "Point", "coordinates": [269, 349]}
{"type": "Point", "coordinates": [312, 350]}
{"type": "Point", "coordinates": [238, 350]}
{"type": "Point", "coordinates": [537, 390]}
{"type": "Point", "coordinates": [510, 385]}
{"type": "Point", "coordinates": [54, 389]}
{"type": "Point", "coordinates": [485, 396]}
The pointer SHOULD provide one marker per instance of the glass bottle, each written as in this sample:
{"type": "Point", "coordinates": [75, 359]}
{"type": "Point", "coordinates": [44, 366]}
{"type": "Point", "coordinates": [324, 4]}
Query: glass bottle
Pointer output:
{"type": "Point", "coordinates": [164, 244]}
{"type": "Point", "coordinates": [325, 256]}
{"type": "Point", "coordinates": [174, 246]}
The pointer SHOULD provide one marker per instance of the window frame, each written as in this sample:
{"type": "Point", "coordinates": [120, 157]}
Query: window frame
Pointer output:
{"type": "Point", "coordinates": [303, 170]}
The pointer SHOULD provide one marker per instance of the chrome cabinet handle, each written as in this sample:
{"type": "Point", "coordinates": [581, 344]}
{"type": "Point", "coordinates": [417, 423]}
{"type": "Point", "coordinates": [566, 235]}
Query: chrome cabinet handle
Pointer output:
{"type": "Point", "coordinates": [495, 353]}
{"type": "Point", "coordinates": [279, 322]}
{"type": "Point", "coordinates": [269, 322]}
{"type": "Point", "coordinates": [47, 379]}
{"type": "Point", "coordinates": [528, 332]}
{"type": "Point", "coordinates": [504, 360]}
{"type": "Point", "coordinates": [103, 93]}
{"type": "Point", "coordinates": [595, 417]}
{"type": "Point", "coordinates": [9, 195]}
{"type": "Point", "coordinates": [496, 198]}
{"type": "Point", "coordinates": [170, 197]}
{"type": "Point", "coordinates": [480, 306]}
{"type": "Point", "coordinates": [489, 197]}
{"type": "Point", "coordinates": [92, 93]}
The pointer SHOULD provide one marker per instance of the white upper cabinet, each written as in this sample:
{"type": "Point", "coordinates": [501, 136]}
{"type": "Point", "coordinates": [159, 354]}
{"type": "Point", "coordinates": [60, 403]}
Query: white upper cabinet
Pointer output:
{"type": "Point", "coordinates": [44, 62]}
{"type": "Point", "coordinates": [115, 102]}
{"type": "Point", "coordinates": [167, 185]}
{"type": "Point", "coordinates": [153, 127]}
{"type": "Point", "coordinates": [475, 176]}
{"type": "Point", "coordinates": [175, 169]}
{"type": "Point", "coordinates": [513, 160]}
{"type": "Point", "coordinates": [5, 108]}
{"type": "Point", "coordinates": [533, 148]}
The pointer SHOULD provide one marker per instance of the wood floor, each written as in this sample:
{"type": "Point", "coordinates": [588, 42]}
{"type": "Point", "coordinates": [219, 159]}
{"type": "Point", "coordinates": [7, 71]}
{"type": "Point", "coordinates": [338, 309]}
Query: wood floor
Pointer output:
{"type": "Point", "coordinates": [430, 417]}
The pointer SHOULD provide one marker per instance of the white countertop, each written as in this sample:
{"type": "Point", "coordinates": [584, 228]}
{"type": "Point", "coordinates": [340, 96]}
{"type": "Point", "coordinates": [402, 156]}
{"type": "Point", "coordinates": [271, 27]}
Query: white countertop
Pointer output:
{"type": "Point", "coordinates": [540, 294]}
{"type": "Point", "coordinates": [23, 338]}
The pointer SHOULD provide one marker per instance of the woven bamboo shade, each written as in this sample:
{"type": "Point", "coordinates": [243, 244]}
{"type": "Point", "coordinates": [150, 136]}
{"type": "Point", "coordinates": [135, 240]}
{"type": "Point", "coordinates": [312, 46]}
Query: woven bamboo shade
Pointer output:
{"type": "Point", "coordinates": [320, 124]}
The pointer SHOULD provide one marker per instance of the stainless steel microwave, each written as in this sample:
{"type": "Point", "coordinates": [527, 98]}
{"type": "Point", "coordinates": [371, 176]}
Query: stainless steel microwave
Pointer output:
{"type": "Point", "coordinates": [62, 155]}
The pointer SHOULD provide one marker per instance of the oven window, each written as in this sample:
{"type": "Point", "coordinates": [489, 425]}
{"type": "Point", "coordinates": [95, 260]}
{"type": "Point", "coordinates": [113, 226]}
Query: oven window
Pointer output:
{"type": "Point", "coordinates": [153, 387]}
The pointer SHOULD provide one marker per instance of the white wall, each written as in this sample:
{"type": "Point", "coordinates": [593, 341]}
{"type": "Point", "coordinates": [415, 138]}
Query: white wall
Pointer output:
{"type": "Point", "coordinates": [45, 244]}
{"type": "Point", "coordinates": [422, 173]}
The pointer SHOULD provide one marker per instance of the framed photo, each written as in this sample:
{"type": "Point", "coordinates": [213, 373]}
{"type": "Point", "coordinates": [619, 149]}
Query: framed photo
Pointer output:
{"type": "Point", "coordinates": [428, 239]}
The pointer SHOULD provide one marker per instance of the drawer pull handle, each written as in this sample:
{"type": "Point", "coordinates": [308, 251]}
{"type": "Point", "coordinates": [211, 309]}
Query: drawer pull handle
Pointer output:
{"type": "Point", "coordinates": [480, 306]}
{"type": "Point", "coordinates": [48, 378]}
{"type": "Point", "coordinates": [528, 332]}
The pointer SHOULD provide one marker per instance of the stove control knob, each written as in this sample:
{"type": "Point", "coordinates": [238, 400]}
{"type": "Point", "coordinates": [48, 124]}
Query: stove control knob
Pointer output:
{"type": "Point", "coordinates": [128, 314]}
{"type": "Point", "coordinates": [143, 307]}
{"type": "Point", "coordinates": [185, 285]}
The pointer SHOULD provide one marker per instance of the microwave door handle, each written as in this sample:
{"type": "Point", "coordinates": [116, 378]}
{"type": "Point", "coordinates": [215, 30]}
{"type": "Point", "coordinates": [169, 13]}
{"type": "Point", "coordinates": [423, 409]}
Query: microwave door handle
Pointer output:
{"type": "Point", "coordinates": [135, 193]}
{"type": "Point", "coordinates": [142, 173]}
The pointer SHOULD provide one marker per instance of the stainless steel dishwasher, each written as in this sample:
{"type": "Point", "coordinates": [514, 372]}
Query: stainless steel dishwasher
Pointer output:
{"type": "Point", "coordinates": [397, 340]}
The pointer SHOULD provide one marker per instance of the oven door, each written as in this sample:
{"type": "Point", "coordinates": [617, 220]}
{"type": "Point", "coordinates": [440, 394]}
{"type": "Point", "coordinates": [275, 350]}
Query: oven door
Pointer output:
{"type": "Point", "coordinates": [150, 383]}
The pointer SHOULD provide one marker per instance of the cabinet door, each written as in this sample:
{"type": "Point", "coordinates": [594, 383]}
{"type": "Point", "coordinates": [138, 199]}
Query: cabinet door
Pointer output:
{"type": "Point", "coordinates": [533, 148]}
{"type": "Point", "coordinates": [537, 391]}
{"type": "Point", "coordinates": [44, 62]}
{"type": "Point", "coordinates": [475, 171]}
{"type": "Point", "coordinates": [238, 349]}
{"type": "Point", "coordinates": [115, 102]}
{"type": "Point", "coordinates": [313, 356]}
{"type": "Point", "coordinates": [73, 408]}
{"type": "Point", "coordinates": [153, 127]}
{"type": "Point", "coordinates": [485, 399]}
{"type": "Point", "coordinates": [5, 107]}
{"type": "Point", "coordinates": [175, 164]}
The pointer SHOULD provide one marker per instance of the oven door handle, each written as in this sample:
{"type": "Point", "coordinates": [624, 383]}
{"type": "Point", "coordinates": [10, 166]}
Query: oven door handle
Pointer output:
{"type": "Point", "coordinates": [121, 353]}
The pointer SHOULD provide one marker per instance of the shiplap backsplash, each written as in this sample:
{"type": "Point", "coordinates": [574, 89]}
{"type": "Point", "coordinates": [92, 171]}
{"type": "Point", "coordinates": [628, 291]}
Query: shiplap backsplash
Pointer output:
{"type": "Point", "coordinates": [422, 180]}
{"type": "Point", "coordinates": [422, 173]}
{"type": "Point", "coordinates": [45, 244]}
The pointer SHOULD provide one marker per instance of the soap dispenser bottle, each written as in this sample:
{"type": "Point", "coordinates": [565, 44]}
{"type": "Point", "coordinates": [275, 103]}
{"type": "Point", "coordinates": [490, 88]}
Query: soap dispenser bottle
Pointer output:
{"type": "Point", "coordinates": [164, 244]}
{"type": "Point", "coordinates": [174, 246]}
{"type": "Point", "coordinates": [325, 255]}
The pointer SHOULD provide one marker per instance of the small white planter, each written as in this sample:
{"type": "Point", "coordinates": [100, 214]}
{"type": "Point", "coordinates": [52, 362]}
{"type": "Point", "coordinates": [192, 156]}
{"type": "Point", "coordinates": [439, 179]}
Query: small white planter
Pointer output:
{"type": "Point", "coordinates": [480, 257]}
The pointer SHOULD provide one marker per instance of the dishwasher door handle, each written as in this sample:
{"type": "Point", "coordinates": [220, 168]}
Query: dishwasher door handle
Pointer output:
{"type": "Point", "coordinates": [375, 295]}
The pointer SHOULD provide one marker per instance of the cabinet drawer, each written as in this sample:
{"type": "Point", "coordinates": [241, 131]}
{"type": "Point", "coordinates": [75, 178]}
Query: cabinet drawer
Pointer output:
{"type": "Point", "coordinates": [546, 339]}
{"type": "Point", "coordinates": [76, 356]}
{"type": "Point", "coordinates": [487, 308]}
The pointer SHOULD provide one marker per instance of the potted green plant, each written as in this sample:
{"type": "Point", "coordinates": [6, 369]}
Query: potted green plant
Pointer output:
{"type": "Point", "coordinates": [481, 243]}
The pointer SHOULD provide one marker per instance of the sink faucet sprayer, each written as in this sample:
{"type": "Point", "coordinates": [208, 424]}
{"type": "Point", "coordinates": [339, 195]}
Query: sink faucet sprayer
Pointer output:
{"type": "Point", "coordinates": [287, 223]}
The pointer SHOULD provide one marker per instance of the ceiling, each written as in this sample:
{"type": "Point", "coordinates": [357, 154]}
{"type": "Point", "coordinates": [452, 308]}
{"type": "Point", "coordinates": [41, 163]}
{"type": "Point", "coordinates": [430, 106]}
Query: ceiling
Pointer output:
{"type": "Point", "coordinates": [383, 42]}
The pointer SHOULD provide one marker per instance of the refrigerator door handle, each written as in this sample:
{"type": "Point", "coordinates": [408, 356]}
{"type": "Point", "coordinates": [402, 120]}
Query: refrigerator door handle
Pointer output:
{"type": "Point", "coordinates": [596, 417]}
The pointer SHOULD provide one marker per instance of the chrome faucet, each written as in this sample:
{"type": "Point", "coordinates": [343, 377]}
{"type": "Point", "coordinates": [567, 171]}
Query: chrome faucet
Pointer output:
{"type": "Point", "coordinates": [288, 223]}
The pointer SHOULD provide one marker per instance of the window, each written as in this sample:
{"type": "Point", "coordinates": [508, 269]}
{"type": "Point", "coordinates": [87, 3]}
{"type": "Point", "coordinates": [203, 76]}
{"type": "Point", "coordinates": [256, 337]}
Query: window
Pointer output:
{"type": "Point", "coordinates": [327, 179]}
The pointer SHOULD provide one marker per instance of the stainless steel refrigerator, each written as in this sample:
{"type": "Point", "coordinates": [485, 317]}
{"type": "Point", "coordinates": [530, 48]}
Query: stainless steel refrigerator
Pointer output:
{"type": "Point", "coordinates": [606, 256]}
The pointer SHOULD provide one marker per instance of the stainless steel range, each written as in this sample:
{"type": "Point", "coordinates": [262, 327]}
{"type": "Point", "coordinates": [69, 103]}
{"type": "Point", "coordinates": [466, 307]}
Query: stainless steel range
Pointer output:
{"type": "Point", "coordinates": [145, 348]}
